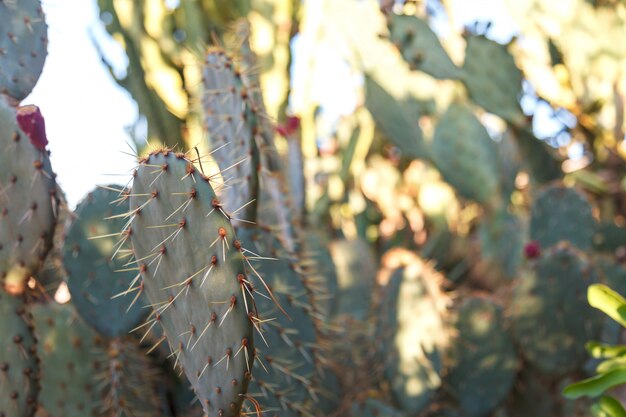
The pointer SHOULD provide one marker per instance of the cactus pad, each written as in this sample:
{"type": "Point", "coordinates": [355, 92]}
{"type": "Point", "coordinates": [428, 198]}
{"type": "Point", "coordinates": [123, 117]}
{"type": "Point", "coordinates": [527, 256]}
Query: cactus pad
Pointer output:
{"type": "Point", "coordinates": [420, 47]}
{"type": "Point", "coordinates": [23, 46]}
{"type": "Point", "coordinates": [286, 387]}
{"type": "Point", "coordinates": [69, 351]}
{"type": "Point", "coordinates": [194, 277]}
{"type": "Point", "coordinates": [492, 79]}
{"type": "Point", "coordinates": [484, 359]}
{"type": "Point", "coordinates": [95, 278]}
{"type": "Point", "coordinates": [502, 242]}
{"type": "Point", "coordinates": [28, 203]}
{"type": "Point", "coordinates": [414, 330]}
{"type": "Point", "coordinates": [466, 155]}
{"type": "Point", "coordinates": [551, 318]}
{"type": "Point", "coordinates": [560, 213]}
{"type": "Point", "coordinates": [18, 364]}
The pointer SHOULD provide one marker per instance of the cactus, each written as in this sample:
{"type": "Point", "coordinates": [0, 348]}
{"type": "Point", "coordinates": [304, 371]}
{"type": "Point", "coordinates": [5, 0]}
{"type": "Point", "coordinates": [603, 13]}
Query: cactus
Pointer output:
{"type": "Point", "coordinates": [562, 214]}
{"type": "Point", "coordinates": [374, 408]}
{"type": "Point", "coordinates": [550, 316]}
{"type": "Point", "coordinates": [200, 296]}
{"type": "Point", "coordinates": [19, 366]}
{"type": "Point", "coordinates": [484, 359]}
{"type": "Point", "coordinates": [95, 277]}
{"type": "Point", "coordinates": [466, 155]}
{"type": "Point", "coordinates": [68, 349]}
{"type": "Point", "coordinates": [502, 242]}
{"type": "Point", "coordinates": [289, 343]}
{"type": "Point", "coordinates": [28, 201]}
{"type": "Point", "coordinates": [492, 79]}
{"type": "Point", "coordinates": [420, 47]}
{"type": "Point", "coordinates": [413, 327]}
{"type": "Point", "coordinates": [23, 46]}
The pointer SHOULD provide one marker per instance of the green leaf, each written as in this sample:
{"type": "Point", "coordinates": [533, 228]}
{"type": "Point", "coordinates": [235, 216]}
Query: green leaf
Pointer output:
{"type": "Point", "coordinates": [608, 301]}
{"type": "Point", "coordinates": [608, 407]}
{"type": "Point", "coordinates": [596, 385]}
{"type": "Point", "coordinates": [602, 350]}
{"type": "Point", "coordinates": [611, 365]}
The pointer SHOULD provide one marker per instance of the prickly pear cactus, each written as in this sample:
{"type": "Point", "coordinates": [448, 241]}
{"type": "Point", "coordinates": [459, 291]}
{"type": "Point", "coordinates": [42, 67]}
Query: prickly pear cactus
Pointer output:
{"type": "Point", "coordinates": [502, 242]}
{"type": "Point", "coordinates": [286, 387]}
{"type": "Point", "coordinates": [229, 122]}
{"type": "Point", "coordinates": [484, 359]}
{"type": "Point", "coordinates": [23, 46]}
{"type": "Point", "coordinates": [104, 289]}
{"type": "Point", "coordinates": [561, 213]}
{"type": "Point", "coordinates": [492, 79]}
{"type": "Point", "coordinates": [420, 47]}
{"type": "Point", "coordinates": [466, 155]}
{"type": "Point", "coordinates": [28, 202]}
{"type": "Point", "coordinates": [194, 277]}
{"type": "Point", "coordinates": [414, 330]}
{"type": "Point", "coordinates": [19, 367]}
{"type": "Point", "coordinates": [551, 319]}
{"type": "Point", "coordinates": [71, 354]}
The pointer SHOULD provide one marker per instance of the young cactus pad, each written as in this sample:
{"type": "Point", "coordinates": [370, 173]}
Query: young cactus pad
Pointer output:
{"type": "Point", "coordinates": [97, 278]}
{"type": "Point", "coordinates": [23, 46]}
{"type": "Point", "coordinates": [194, 277]}
{"type": "Point", "coordinates": [28, 203]}
{"type": "Point", "coordinates": [18, 364]}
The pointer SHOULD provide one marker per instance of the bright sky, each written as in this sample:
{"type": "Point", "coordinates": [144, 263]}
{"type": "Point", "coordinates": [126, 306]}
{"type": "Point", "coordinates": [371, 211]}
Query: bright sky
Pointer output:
{"type": "Point", "coordinates": [87, 113]}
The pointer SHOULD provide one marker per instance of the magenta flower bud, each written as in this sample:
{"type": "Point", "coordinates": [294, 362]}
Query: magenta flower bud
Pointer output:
{"type": "Point", "coordinates": [32, 123]}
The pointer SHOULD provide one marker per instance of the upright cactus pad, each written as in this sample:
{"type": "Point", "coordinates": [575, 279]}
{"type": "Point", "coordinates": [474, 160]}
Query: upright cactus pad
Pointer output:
{"type": "Point", "coordinates": [289, 340]}
{"type": "Point", "coordinates": [484, 359]}
{"type": "Point", "coordinates": [229, 119]}
{"type": "Point", "coordinates": [71, 354]}
{"type": "Point", "coordinates": [18, 363]}
{"type": "Point", "coordinates": [550, 315]}
{"type": "Point", "coordinates": [27, 202]}
{"type": "Point", "coordinates": [414, 331]}
{"type": "Point", "coordinates": [23, 46]}
{"type": "Point", "coordinates": [502, 242]}
{"type": "Point", "coordinates": [560, 213]}
{"type": "Point", "coordinates": [194, 277]}
{"type": "Point", "coordinates": [492, 79]}
{"type": "Point", "coordinates": [96, 279]}
{"type": "Point", "coordinates": [466, 155]}
{"type": "Point", "coordinates": [420, 47]}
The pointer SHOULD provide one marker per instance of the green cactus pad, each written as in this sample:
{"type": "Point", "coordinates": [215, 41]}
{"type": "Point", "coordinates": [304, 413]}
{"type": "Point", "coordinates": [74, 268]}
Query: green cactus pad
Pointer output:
{"type": "Point", "coordinates": [391, 117]}
{"type": "Point", "coordinates": [374, 408]}
{"type": "Point", "coordinates": [289, 341]}
{"type": "Point", "coordinates": [28, 203]}
{"type": "Point", "coordinates": [318, 267]}
{"type": "Point", "coordinates": [551, 319]}
{"type": "Point", "coordinates": [484, 359]}
{"type": "Point", "coordinates": [95, 277]}
{"type": "Point", "coordinates": [609, 237]}
{"type": "Point", "coordinates": [560, 213]}
{"type": "Point", "coordinates": [502, 242]}
{"type": "Point", "coordinates": [230, 120]}
{"type": "Point", "coordinates": [18, 362]}
{"type": "Point", "coordinates": [466, 155]}
{"type": "Point", "coordinates": [420, 47]}
{"type": "Point", "coordinates": [23, 46]}
{"type": "Point", "coordinates": [194, 277]}
{"type": "Point", "coordinates": [70, 353]}
{"type": "Point", "coordinates": [130, 382]}
{"type": "Point", "coordinates": [542, 163]}
{"type": "Point", "coordinates": [414, 332]}
{"type": "Point", "coordinates": [492, 79]}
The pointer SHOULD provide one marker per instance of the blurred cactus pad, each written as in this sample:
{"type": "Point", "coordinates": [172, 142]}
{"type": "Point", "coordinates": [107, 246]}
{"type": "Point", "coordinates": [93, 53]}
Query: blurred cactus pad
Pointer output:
{"type": "Point", "coordinates": [339, 208]}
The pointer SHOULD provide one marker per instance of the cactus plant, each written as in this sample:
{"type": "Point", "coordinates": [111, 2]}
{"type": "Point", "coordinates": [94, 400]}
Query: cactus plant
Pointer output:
{"type": "Point", "coordinates": [201, 297]}
{"type": "Point", "coordinates": [28, 201]}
